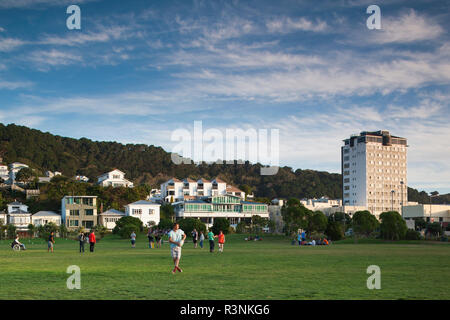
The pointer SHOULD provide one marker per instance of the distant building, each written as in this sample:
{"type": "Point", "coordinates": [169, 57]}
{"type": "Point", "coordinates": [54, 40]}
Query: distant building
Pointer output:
{"type": "Point", "coordinates": [374, 171]}
{"type": "Point", "coordinates": [81, 178]}
{"type": "Point", "coordinates": [79, 211]}
{"type": "Point", "coordinates": [429, 212]}
{"type": "Point", "coordinates": [41, 218]}
{"type": "Point", "coordinates": [148, 212]}
{"type": "Point", "coordinates": [3, 217]}
{"type": "Point", "coordinates": [18, 216]}
{"type": "Point", "coordinates": [175, 190]}
{"type": "Point", "coordinates": [4, 172]}
{"type": "Point", "coordinates": [231, 207]}
{"type": "Point", "coordinates": [14, 168]}
{"type": "Point", "coordinates": [109, 218]}
{"type": "Point", "coordinates": [115, 178]}
{"type": "Point", "coordinates": [275, 214]}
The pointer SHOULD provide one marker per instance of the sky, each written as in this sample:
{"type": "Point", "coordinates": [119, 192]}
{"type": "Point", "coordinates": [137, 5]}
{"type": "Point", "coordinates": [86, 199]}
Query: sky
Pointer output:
{"type": "Point", "coordinates": [139, 70]}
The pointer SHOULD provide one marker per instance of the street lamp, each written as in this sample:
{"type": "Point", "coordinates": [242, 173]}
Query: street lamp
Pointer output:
{"type": "Point", "coordinates": [401, 204]}
{"type": "Point", "coordinates": [392, 200]}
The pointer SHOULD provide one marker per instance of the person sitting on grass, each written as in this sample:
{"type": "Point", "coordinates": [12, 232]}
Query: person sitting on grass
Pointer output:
{"type": "Point", "coordinates": [325, 242]}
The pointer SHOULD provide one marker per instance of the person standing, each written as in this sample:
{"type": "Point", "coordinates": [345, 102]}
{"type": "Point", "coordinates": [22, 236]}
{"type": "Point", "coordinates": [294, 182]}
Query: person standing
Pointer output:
{"type": "Point", "coordinates": [303, 235]}
{"type": "Point", "coordinates": [221, 238]}
{"type": "Point", "coordinates": [82, 240]}
{"type": "Point", "coordinates": [176, 240]}
{"type": "Point", "coordinates": [211, 237]}
{"type": "Point", "coordinates": [133, 239]}
{"type": "Point", "coordinates": [201, 239]}
{"type": "Point", "coordinates": [195, 237]}
{"type": "Point", "coordinates": [299, 239]}
{"type": "Point", "coordinates": [92, 241]}
{"type": "Point", "coordinates": [51, 242]}
{"type": "Point", "coordinates": [150, 238]}
{"type": "Point", "coordinates": [158, 236]}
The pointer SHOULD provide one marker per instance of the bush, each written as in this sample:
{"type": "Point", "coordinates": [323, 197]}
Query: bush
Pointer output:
{"type": "Point", "coordinates": [125, 225]}
{"type": "Point", "coordinates": [242, 227]}
{"type": "Point", "coordinates": [220, 224]}
{"type": "Point", "coordinates": [189, 224]}
{"type": "Point", "coordinates": [412, 235]}
{"type": "Point", "coordinates": [165, 224]}
{"type": "Point", "coordinates": [392, 227]}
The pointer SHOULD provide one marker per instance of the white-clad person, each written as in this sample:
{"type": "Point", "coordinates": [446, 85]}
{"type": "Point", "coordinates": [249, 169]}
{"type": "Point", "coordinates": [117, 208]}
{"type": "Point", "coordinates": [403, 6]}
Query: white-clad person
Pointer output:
{"type": "Point", "coordinates": [176, 240]}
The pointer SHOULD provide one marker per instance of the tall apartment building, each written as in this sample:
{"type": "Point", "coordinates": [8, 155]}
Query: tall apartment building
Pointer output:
{"type": "Point", "coordinates": [374, 171]}
{"type": "Point", "coordinates": [79, 211]}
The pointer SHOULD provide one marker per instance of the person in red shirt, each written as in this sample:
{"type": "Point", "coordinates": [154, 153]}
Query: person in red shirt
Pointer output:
{"type": "Point", "coordinates": [92, 241]}
{"type": "Point", "coordinates": [221, 238]}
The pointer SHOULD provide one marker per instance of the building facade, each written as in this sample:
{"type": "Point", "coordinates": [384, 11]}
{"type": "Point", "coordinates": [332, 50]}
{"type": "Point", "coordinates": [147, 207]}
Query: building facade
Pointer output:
{"type": "Point", "coordinates": [226, 206]}
{"type": "Point", "coordinates": [175, 190]}
{"type": "Point", "coordinates": [41, 218]}
{"type": "Point", "coordinates": [109, 218]}
{"type": "Point", "coordinates": [18, 216]}
{"type": "Point", "coordinates": [79, 211]}
{"type": "Point", "coordinates": [115, 178]}
{"type": "Point", "coordinates": [14, 168]}
{"type": "Point", "coordinates": [148, 212]}
{"type": "Point", "coordinates": [374, 169]}
{"type": "Point", "coordinates": [429, 212]}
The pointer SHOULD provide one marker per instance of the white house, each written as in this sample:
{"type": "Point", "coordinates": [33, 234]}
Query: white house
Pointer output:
{"type": "Point", "coordinates": [115, 178]}
{"type": "Point", "coordinates": [41, 218]}
{"type": "Point", "coordinates": [175, 190]}
{"type": "Point", "coordinates": [146, 211]}
{"type": "Point", "coordinates": [81, 178]}
{"type": "Point", "coordinates": [4, 172]}
{"type": "Point", "coordinates": [18, 215]}
{"type": "Point", "coordinates": [110, 217]}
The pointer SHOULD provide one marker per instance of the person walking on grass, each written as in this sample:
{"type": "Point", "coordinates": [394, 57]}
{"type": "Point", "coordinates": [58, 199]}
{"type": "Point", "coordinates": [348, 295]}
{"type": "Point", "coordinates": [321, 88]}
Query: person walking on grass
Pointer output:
{"type": "Point", "coordinates": [211, 237]}
{"type": "Point", "coordinates": [82, 240]}
{"type": "Point", "coordinates": [195, 237]}
{"type": "Point", "coordinates": [221, 238]}
{"type": "Point", "coordinates": [133, 239]}
{"type": "Point", "coordinates": [92, 241]}
{"type": "Point", "coordinates": [51, 242]}
{"type": "Point", "coordinates": [201, 239]}
{"type": "Point", "coordinates": [176, 240]}
{"type": "Point", "coordinates": [150, 239]}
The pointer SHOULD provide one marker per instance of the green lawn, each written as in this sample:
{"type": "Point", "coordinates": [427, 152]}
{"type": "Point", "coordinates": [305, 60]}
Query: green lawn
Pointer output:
{"type": "Point", "coordinates": [269, 269]}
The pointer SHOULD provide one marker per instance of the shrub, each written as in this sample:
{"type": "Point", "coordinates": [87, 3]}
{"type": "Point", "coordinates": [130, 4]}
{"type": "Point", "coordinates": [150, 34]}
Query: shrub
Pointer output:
{"type": "Point", "coordinates": [392, 227]}
{"type": "Point", "coordinates": [125, 225]}
{"type": "Point", "coordinates": [364, 222]}
{"type": "Point", "coordinates": [412, 235]}
{"type": "Point", "coordinates": [165, 224]}
{"type": "Point", "coordinates": [242, 227]}
{"type": "Point", "coordinates": [335, 230]}
{"type": "Point", "coordinates": [189, 224]}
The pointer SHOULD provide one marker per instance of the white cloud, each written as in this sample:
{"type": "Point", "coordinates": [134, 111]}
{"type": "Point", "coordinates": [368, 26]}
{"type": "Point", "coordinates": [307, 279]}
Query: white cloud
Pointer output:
{"type": "Point", "coordinates": [9, 44]}
{"type": "Point", "coordinates": [286, 25]}
{"type": "Point", "coordinates": [44, 60]}
{"type": "Point", "coordinates": [409, 27]}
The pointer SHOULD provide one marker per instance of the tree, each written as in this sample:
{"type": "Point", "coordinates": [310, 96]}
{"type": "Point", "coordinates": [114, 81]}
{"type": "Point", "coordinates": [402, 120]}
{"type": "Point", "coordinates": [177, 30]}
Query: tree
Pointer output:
{"type": "Point", "coordinates": [295, 216]}
{"type": "Point", "coordinates": [341, 217]}
{"type": "Point", "coordinates": [31, 230]}
{"type": "Point", "coordinates": [335, 230]}
{"type": "Point", "coordinates": [412, 235]}
{"type": "Point", "coordinates": [63, 230]}
{"type": "Point", "coordinates": [246, 188]}
{"type": "Point", "coordinates": [364, 223]}
{"type": "Point", "coordinates": [420, 223]}
{"type": "Point", "coordinates": [11, 230]}
{"type": "Point", "coordinates": [434, 229]}
{"type": "Point", "coordinates": [220, 224]}
{"type": "Point", "coordinates": [24, 175]}
{"type": "Point", "coordinates": [242, 227]}
{"type": "Point", "coordinates": [258, 223]}
{"type": "Point", "coordinates": [165, 224]}
{"type": "Point", "coordinates": [125, 225]}
{"type": "Point", "coordinates": [189, 224]}
{"type": "Point", "coordinates": [317, 222]}
{"type": "Point", "coordinates": [100, 230]}
{"type": "Point", "coordinates": [167, 212]}
{"type": "Point", "coordinates": [392, 227]}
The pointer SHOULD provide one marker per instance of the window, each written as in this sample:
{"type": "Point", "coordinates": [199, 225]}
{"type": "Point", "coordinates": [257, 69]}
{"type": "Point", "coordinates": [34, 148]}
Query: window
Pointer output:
{"type": "Point", "coordinates": [74, 212]}
{"type": "Point", "coordinates": [151, 211]}
{"type": "Point", "coordinates": [88, 224]}
{"type": "Point", "coordinates": [89, 212]}
{"type": "Point", "coordinates": [137, 211]}
{"type": "Point", "coordinates": [73, 223]}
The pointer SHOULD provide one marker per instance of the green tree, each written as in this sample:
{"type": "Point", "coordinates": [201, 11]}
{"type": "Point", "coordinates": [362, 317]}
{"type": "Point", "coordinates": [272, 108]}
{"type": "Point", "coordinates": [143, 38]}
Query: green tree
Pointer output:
{"type": "Point", "coordinates": [101, 230]}
{"type": "Point", "coordinates": [31, 230]}
{"type": "Point", "coordinates": [11, 230]}
{"type": "Point", "coordinates": [220, 224]}
{"type": "Point", "coordinates": [165, 224]}
{"type": "Point", "coordinates": [63, 230]}
{"type": "Point", "coordinates": [420, 223]}
{"type": "Point", "coordinates": [125, 225]}
{"type": "Point", "coordinates": [434, 229]}
{"type": "Point", "coordinates": [335, 230]}
{"type": "Point", "coordinates": [317, 222]}
{"type": "Point", "coordinates": [364, 223]}
{"type": "Point", "coordinates": [242, 227]}
{"type": "Point", "coordinates": [392, 226]}
{"type": "Point", "coordinates": [258, 223]}
{"type": "Point", "coordinates": [25, 175]}
{"type": "Point", "coordinates": [167, 212]}
{"type": "Point", "coordinates": [189, 224]}
{"type": "Point", "coordinates": [295, 216]}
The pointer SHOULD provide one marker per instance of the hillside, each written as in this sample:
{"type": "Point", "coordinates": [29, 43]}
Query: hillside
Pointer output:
{"type": "Point", "coordinates": [151, 165]}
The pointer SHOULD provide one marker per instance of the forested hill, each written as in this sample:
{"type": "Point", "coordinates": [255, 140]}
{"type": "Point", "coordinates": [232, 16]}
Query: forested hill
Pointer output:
{"type": "Point", "coordinates": [151, 165]}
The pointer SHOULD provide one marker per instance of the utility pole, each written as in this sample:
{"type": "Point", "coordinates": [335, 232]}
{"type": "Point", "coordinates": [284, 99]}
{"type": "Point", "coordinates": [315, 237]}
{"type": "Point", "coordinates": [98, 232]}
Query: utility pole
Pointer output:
{"type": "Point", "coordinates": [392, 200]}
{"type": "Point", "coordinates": [401, 204]}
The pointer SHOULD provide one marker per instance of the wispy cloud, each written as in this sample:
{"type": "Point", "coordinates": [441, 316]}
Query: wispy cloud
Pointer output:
{"type": "Point", "coordinates": [8, 4]}
{"type": "Point", "coordinates": [9, 44]}
{"type": "Point", "coordinates": [286, 25]}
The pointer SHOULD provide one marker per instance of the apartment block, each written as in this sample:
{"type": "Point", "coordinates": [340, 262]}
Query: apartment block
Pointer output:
{"type": "Point", "coordinates": [79, 211]}
{"type": "Point", "coordinates": [374, 171]}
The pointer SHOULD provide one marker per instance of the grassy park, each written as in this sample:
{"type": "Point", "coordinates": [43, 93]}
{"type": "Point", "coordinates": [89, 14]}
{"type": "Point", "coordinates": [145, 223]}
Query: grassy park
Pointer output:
{"type": "Point", "coordinates": [268, 269]}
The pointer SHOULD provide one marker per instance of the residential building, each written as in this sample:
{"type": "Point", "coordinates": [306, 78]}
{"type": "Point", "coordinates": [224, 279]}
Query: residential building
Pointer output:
{"type": "Point", "coordinates": [3, 217]}
{"type": "Point", "coordinates": [79, 211]}
{"type": "Point", "coordinates": [374, 168]}
{"type": "Point", "coordinates": [50, 174]}
{"type": "Point", "coordinates": [114, 178]}
{"type": "Point", "coordinates": [109, 218]}
{"type": "Point", "coordinates": [41, 218]}
{"type": "Point", "coordinates": [14, 168]}
{"type": "Point", "coordinates": [4, 172]}
{"type": "Point", "coordinates": [275, 214]}
{"type": "Point", "coordinates": [175, 190]}
{"type": "Point", "coordinates": [18, 216]}
{"type": "Point", "coordinates": [81, 178]}
{"type": "Point", "coordinates": [146, 211]}
{"type": "Point", "coordinates": [231, 207]}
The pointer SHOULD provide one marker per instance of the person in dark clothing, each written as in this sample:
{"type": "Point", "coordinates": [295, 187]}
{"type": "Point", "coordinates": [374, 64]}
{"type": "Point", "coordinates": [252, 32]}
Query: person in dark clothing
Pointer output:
{"type": "Point", "coordinates": [82, 240]}
{"type": "Point", "coordinates": [51, 242]}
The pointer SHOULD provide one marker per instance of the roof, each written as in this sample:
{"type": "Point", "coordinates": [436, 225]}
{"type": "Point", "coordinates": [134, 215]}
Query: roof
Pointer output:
{"type": "Point", "coordinates": [250, 202]}
{"type": "Point", "coordinates": [143, 202]}
{"type": "Point", "coordinates": [46, 214]}
{"type": "Point", "coordinates": [218, 180]}
{"type": "Point", "coordinates": [112, 212]}
{"type": "Point", "coordinates": [188, 180]}
{"type": "Point", "coordinates": [233, 189]}
{"type": "Point", "coordinates": [19, 212]}
{"type": "Point", "coordinates": [203, 180]}
{"type": "Point", "coordinates": [175, 179]}
{"type": "Point", "coordinates": [196, 201]}
{"type": "Point", "coordinates": [110, 172]}
{"type": "Point", "coordinates": [16, 203]}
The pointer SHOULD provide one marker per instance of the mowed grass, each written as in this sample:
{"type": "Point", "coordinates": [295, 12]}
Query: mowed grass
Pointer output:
{"type": "Point", "coordinates": [268, 269]}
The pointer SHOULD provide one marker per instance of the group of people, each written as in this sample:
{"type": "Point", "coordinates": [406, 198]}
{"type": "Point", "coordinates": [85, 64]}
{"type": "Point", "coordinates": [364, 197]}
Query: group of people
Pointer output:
{"type": "Point", "coordinates": [84, 238]}
{"type": "Point", "coordinates": [155, 238]}
{"type": "Point", "coordinates": [301, 239]}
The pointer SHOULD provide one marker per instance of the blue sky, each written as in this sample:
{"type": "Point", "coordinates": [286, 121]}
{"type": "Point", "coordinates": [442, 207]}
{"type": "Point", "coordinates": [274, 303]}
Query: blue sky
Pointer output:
{"type": "Point", "coordinates": [135, 72]}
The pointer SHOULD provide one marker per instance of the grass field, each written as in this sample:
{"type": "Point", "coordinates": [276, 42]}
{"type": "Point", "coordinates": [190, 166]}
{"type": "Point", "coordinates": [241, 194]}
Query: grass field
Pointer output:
{"type": "Point", "coordinates": [269, 269]}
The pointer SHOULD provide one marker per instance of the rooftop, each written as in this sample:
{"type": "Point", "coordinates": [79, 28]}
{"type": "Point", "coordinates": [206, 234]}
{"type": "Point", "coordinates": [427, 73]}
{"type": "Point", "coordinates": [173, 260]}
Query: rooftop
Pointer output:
{"type": "Point", "coordinates": [46, 214]}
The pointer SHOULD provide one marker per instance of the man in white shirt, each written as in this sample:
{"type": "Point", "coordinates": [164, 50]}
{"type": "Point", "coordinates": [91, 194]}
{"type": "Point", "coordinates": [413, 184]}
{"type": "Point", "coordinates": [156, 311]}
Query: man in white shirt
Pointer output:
{"type": "Point", "coordinates": [176, 240]}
